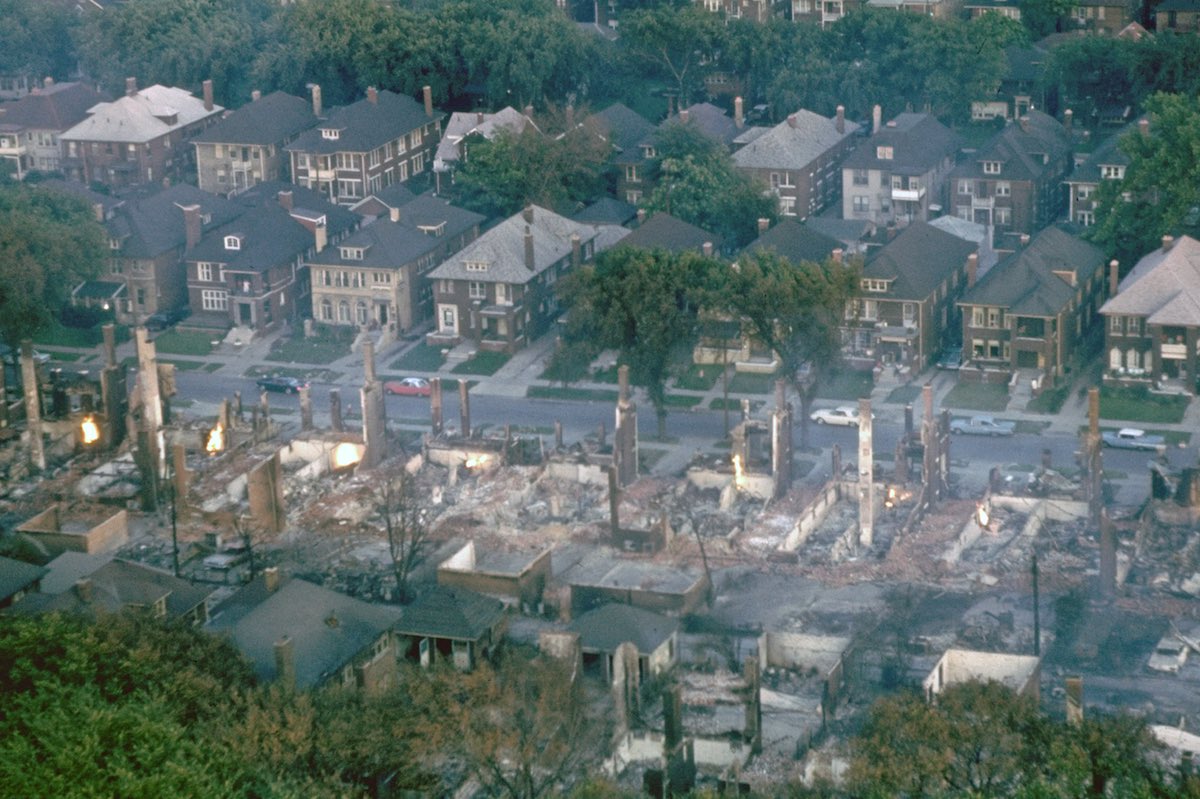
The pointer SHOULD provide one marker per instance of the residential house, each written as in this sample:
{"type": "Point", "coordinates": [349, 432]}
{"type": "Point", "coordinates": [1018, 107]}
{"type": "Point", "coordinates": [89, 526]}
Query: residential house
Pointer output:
{"type": "Point", "coordinates": [1106, 17]}
{"type": "Point", "coordinates": [753, 10]}
{"type": "Point", "coordinates": [796, 242]}
{"type": "Point", "coordinates": [247, 146]}
{"type": "Point", "coordinates": [499, 291]}
{"type": "Point", "coordinates": [899, 174]}
{"type": "Point", "coordinates": [1152, 319]}
{"type": "Point", "coordinates": [384, 201]}
{"type": "Point", "coordinates": [607, 211]}
{"type": "Point", "coordinates": [905, 306]}
{"type": "Point", "coordinates": [928, 8]}
{"type": "Point", "coordinates": [821, 12]}
{"type": "Point", "coordinates": [1107, 162]}
{"type": "Point", "coordinates": [857, 236]}
{"type": "Point", "coordinates": [18, 579]}
{"type": "Point", "coordinates": [662, 231]}
{"type": "Point", "coordinates": [15, 85]}
{"type": "Point", "coordinates": [1032, 309]}
{"type": "Point", "coordinates": [1180, 16]}
{"type": "Point", "coordinates": [800, 160]}
{"type": "Point", "coordinates": [1005, 8]}
{"type": "Point", "coordinates": [455, 623]}
{"type": "Point", "coordinates": [30, 127]}
{"type": "Point", "coordinates": [1021, 87]}
{"type": "Point", "coordinates": [139, 138]}
{"type": "Point", "coordinates": [462, 125]}
{"type": "Point", "coordinates": [302, 635]}
{"type": "Point", "coordinates": [360, 148]}
{"type": "Point", "coordinates": [712, 121]}
{"type": "Point", "coordinates": [631, 137]}
{"type": "Point", "coordinates": [603, 630]}
{"type": "Point", "coordinates": [1014, 182]}
{"type": "Point", "coordinates": [376, 277]}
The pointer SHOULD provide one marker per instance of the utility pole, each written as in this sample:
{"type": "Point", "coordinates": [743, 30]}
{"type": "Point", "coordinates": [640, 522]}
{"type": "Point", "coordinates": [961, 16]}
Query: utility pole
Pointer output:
{"type": "Point", "coordinates": [1037, 611]}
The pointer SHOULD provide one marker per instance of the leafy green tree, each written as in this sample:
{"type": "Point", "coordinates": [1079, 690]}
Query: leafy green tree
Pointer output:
{"type": "Point", "coordinates": [1161, 188]}
{"type": "Point", "coordinates": [1043, 17]}
{"type": "Point", "coordinates": [35, 39]}
{"type": "Point", "coordinates": [49, 242]}
{"type": "Point", "coordinates": [674, 42]}
{"type": "Point", "coordinates": [971, 61]}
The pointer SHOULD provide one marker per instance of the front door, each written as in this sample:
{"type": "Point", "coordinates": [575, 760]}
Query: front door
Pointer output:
{"type": "Point", "coordinates": [245, 314]}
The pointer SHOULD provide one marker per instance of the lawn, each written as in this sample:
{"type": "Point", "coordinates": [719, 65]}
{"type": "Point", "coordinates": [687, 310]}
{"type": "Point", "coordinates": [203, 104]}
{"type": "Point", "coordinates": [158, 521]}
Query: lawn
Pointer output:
{"type": "Point", "coordinates": [719, 404]}
{"type": "Point", "coordinates": [321, 349]}
{"type": "Point", "coordinates": [977, 396]}
{"type": "Point", "coordinates": [606, 375]}
{"type": "Point", "coordinates": [903, 395]}
{"type": "Point", "coordinates": [484, 363]}
{"type": "Point", "coordinates": [846, 386]}
{"type": "Point", "coordinates": [682, 401]}
{"type": "Point", "coordinates": [175, 342]}
{"type": "Point", "coordinates": [1051, 400]}
{"type": "Point", "coordinates": [751, 383]}
{"type": "Point", "coordinates": [585, 394]}
{"type": "Point", "coordinates": [60, 335]}
{"type": "Point", "coordinates": [183, 366]}
{"type": "Point", "coordinates": [211, 367]}
{"type": "Point", "coordinates": [324, 375]}
{"type": "Point", "coordinates": [699, 377]}
{"type": "Point", "coordinates": [1139, 405]}
{"type": "Point", "coordinates": [421, 358]}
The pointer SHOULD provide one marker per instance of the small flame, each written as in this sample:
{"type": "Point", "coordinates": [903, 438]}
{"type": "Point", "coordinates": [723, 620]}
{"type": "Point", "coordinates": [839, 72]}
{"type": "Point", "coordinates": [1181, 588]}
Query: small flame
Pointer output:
{"type": "Point", "coordinates": [345, 454]}
{"type": "Point", "coordinates": [90, 430]}
{"type": "Point", "coordinates": [981, 516]}
{"type": "Point", "coordinates": [216, 439]}
{"type": "Point", "coordinates": [890, 501]}
{"type": "Point", "coordinates": [476, 461]}
{"type": "Point", "coordinates": [739, 475]}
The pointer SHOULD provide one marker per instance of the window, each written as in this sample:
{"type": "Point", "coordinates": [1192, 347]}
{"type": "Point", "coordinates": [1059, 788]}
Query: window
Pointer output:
{"type": "Point", "coordinates": [360, 311]}
{"type": "Point", "coordinates": [1133, 359]}
{"type": "Point", "coordinates": [1083, 192]}
{"type": "Point", "coordinates": [330, 133]}
{"type": "Point", "coordinates": [993, 317]}
{"type": "Point", "coordinates": [1116, 324]}
{"type": "Point", "coordinates": [994, 349]}
{"type": "Point", "coordinates": [897, 182]}
{"type": "Point", "coordinates": [861, 177]}
{"type": "Point", "coordinates": [1085, 218]}
{"type": "Point", "coordinates": [1112, 172]}
{"type": "Point", "coordinates": [214, 300]}
{"type": "Point", "coordinates": [1003, 188]}
{"type": "Point", "coordinates": [326, 312]}
{"type": "Point", "coordinates": [352, 253]}
{"type": "Point", "coordinates": [477, 290]}
{"type": "Point", "coordinates": [977, 316]}
{"type": "Point", "coordinates": [874, 285]}
{"type": "Point", "coordinates": [883, 153]}
{"type": "Point", "coordinates": [862, 204]}
{"type": "Point", "coordinates": [233, 242]}
{"type": "Point", "coordinates": [991, 167]}
{"type": "Point", "coordinates": [503, 294]}
{"type": "Point", "coordinates": [1003, 216]}
{"type": "Point", "coordinates": [787, 206]}
{"type": "Point", "coordinates": [204, 271]}
{"type": "Point", "coordinates": [870, 310]}
{"type": "Point", "coordinates": [476, 266]}
{"type": "Point", "coordinates": [633, 197]}
{"type": "Point", "coordinates": [631, 173]}
{"type": "Point", "coordinates": [966, 187]}
{"type": "Point", "coordinates": [910, 314]}
{"type": "Point", "coordinates": [1114, 358]}
{"type": "Point", "coordinates": [344, 311]}
{"type": "Point", "coordinates": [373, 158]}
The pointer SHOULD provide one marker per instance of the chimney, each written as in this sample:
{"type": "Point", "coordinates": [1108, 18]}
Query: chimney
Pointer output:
{"type": "Point", "coordinates": [83, 589]}
{"type": "Point", "coordinates": [255, 96]}
{"type": "Point", "coordinates": [683, 115]}
{"type": "Point", "coordinates": [972, 269]}
{"type": "Point", "coordinates": [1068, 118]}
{"type": "Point", "coordinates": [739, 117]}
{"type": "Point", "coordinates": [836, 255]}
{"type": "Point", "coordinates": [478, 117]}
{"type": "Point", "coordinates": [527, 212]}
{"type": "Point", "coordinates": [98, 211]}
{"type": "Point", "coordinates": [1024, 123]}
{"type": "Point", "coordinates": [320, 237]}
{"type": "Point", "coordinates": [191, 227]}
{"type": "Point", "coordinates": [764, 224]}
{"type": "Point", "coordinates": [641, 216]}
{"type": "Point", "coordinates": [285, 663]}
{"type": "Point", "coordinates": [271, 579]}
{"type": "Point", "coordinates": [48, 82]}
{"type": "Point", "coordinates": [576, 251]}
{"type": "Point", "coordinates": [394, 214]}
{"type": "Point", "coordinates": [707, 249]}
{"type": "Point", "coordinates": [1114, 277]}
{"type": "Point", "coordinates": [890, 231]}
{"type": "Point", "coordinates": [570, 114]}
{"type": "Point", "coordinates": [316, 99]}
{"type": "Point", "coordinates": [529, 112]}
{"type": "Point", "coordinates": [528, 248]}
{"type": "Point", "coordinates": [285, 200]}
{"type": "Point", "coordinates": [840, 119]}
{"type": "Point", "coordinates": [1167, 242]}
{"type": "Point", "coordinates": [130, 87]}
{"type": "Point", "coordinates": [427, 94]}
{"type": "Point", "coordinates": [1144, 127]}
{"type": "Point", "coordinates": [372, 96]}
{"type": "Point", "coordinates": [1024, 240]}
{"type": "Point", "coordinates": [791, 120]}
{"type": "Point", "coordinates": [876, 119]}
{"type": "Point", "coordinates": [206, 89]}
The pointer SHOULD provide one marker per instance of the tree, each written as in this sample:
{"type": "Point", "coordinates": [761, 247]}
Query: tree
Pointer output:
{"type": "Point", "coordinates": [405, 521]}
{"type": "Point", "coordinates": [35, 39]}
{"type": "Point", "coordinates": [796, 310]}
{"type": "Point", "coordinates": [49, 243]}
{"type": "Point", "coordinates": [645, 303]}
{"type": "Point", "coordinates": [675, 42]}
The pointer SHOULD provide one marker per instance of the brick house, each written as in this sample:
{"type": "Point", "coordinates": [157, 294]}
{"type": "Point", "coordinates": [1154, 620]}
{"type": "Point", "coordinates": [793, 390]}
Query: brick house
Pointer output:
{"type": "Point", "coordinates": [376, 277]}
{"type": "Point", "coordinates": [1107, 162]}
{"type": "Point", "coordinates": [1005, 8]}
{"type": "Point", "coordinates": [1021, 87]}
{"type": "Point", "coordinates": [631, 137]}
{"type": "Point", "coordinates": [900, 172]}
{"type": "Point", "coordinates": [1014, 182]}
{"type": "Point", "coordinates": [800, 160]}
{"type": "Point", "coordinates": [821, 12]}
{"type": "Point", "coordinates": [462, 125]}
{"type": "Point", "coordinates": [499, 290]}
{"type": "Point", "coordinates": [247, 146]}
{"type": "Point", "coordinates": [139, 138]}
{"type": "Point", "coordinates": [1106, 17]}
{"type": "Point", "coordinates": [1033, 308]}
{"type": "Point", "coordinates": [360, 148]}
{"type": "Point", "coordinates": [30, 127]}
{"type": "Point", "coordinates": [1181, 16]}
{"type": "Point", "coordinates": [905, 306]}
{"type": "Point", "coordinates": [1152, 319]}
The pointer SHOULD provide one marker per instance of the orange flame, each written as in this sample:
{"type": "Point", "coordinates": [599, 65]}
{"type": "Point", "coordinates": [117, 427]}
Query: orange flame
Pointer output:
{"type": "Point", "coordinates": [216, 439]}
{"type": "Point", "coordinates": [90, 430]}
{"type": "Point", "coordinates": [739, 474]}
{"type": "Point", "coordinates": [345, 455]}
{"type": "Point", "coordinates": [981, 516]}
{"type": "Point", "coordinates": [476, 461]}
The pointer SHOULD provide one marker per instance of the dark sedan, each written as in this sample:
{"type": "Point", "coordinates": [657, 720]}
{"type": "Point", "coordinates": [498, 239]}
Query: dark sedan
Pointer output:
{"type": "Point", "coordinates": [282, 385]}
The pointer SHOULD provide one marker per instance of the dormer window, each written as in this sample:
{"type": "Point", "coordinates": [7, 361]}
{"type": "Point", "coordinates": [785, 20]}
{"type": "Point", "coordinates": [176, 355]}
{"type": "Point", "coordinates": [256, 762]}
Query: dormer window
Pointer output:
{"type": "Point", "coordinates": [648, 151]}
{"type": "Point", "coordinates": [330, 133]}
{"type": "Point", "coordinates": [353, 253]}
{"type": "Point", "coordinates": [233, 242]}
{"type": "Point", "coordinates": [433, 230]}
{"type": "Point", "coordinates": [476, 266]}
{"type": "Point", "coordinates": [1111, 172]}
{"type": "Point", "coordinates": [875, 285]}
{"type": "Point", "coordinates": [883, 153]}
{"type": "Point", "coordinates": [114, 244]}
{"type": "Point", "coordinates": [991, 167]}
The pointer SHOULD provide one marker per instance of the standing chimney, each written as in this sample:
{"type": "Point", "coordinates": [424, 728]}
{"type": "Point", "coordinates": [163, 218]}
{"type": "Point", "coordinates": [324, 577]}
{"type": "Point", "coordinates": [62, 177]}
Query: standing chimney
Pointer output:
{"type": "Point", "coordinates": [840, 119]}
{"type": "Point", "coordinates": [83, 589]}
{"type": "Point", "coordinates": [255, 96]}
{"type": "Point", "coordinates": [478, 117]}
{"type": "Point", "coordinates": [739, 117]}
{"type": "Point", "coordinates": [707, 249]}
{"type": "Point", "coordinates": [764, 224]}
{"type": "Point", "coordinates": [1167, 242]}
{"type": "Point", "coordinates": [836, 255]}
{"type": "Point", "coordinates": [48, 82]}
{"type": "Point", "coordinates": [791, 120]}
{"type": "Point", "coordinates": [876, 119]}
{"type": "Point", "coordinates": [569, 111]}
{"type": "Point", "coordinates": [1114, 277]}
{"type": "Point", "coordinates": [130, 87]}
{"type": "Point", "coordinates": [316, 99]}
{"type": "Point", "coordinates": [271, 579]}
{"type": "Point", "coordinates": [1024, 240]}
{"type": "Point", "coordinates": [683, 115]}
{"type": "Point", "coordinates": [206, 88]}
{"type": "Point", "coordinates": [641, 216]}
{"type": "Point", "coordinates": [427, 93]}
{"type": "Point", "coordinates": [576, 251]}
{"type": "Point", "coordinates": [1068, 118]}
{"type": "Point", "coordinates": [529, 112]}
{"type": "Point", "coordinates": [285, 200]}
{"type": "Point", "coordinates": [372, 96]}
{"type": "Point", "coordinates": [527, 213]}
{"type": "Point", "coordinates": [972, 269]}
{"type": "Point", "coordinates": [529, 248]}
{"type": "Point", "coordinates": [191, 227]}
{"type": "Point", "coordinates": [1144, 127]}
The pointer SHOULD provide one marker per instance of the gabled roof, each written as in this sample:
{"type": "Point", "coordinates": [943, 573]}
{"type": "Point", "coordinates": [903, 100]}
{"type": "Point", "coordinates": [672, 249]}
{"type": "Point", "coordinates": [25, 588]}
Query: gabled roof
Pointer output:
{"type": "Point", "coordinates": [1025, 64]}
{"type": "Point", "coordinates": [272, 119]}
{"type": "Point", "coordinates": [794, 143]}
{"type": "Point", "coordinates": [306, 203]}
{"type": "Point", "coordinates": [363, 126]}
{"type": "Point", "coordinates": [1020, 148]}
{"type": "Point", "coordinates": [150, 113]}
{"type": "Point", "coordinates": [1108, 153]}
{"type": "Point", "coordinates": [327, 629]}
{"type": "Point", "coordinates": [625, 130]}
{"type": "Point", "coordinates": [503, 248]}
{"type": "Point", "coordinates": [152, 225]}
{"type": "Point", "coordinates": [710, 120]}
{"type": "Point", "coordinates": [607, 211]}
{"type": "Point", "coordinates": [268, 236]}
{"type": "Point", "coordinates": [391, 245]}
{"type": "Point", "coordinates": [16, 576]}
{"type": "Point", "coordinates": [796, 242]}
{"type": "Point", "coordinates": [853, 233]}
{"type": "Point", "coordinates": [609, 626]}
{"type": "Point", "coordinates": [918, 260]}
{"type": "Point", "coordinates": [56, 107]}
{"type": "Point", "coordinates": [68, 567]}
{"type": "Point", "coordinates": [1164, 287]}
{"type": "Point", "coordinates": [918, 141]}
{"type": "Point", "coordinates": [380, 202]}
{"type": "Point", "coordinates": [106, 203]}
{"type": "Point", "coordinates": [426, 210]}
{"type": "Point", "coordinates": [666, 232]}
{"type": "Point", "coordinates": [454, 613]}
{"type": "Point", "coordinates": [1025, 282]}
{"type": "Point", "coordinates": [476, 123]}
{"type": "Point", "coordinates": [119, 585]}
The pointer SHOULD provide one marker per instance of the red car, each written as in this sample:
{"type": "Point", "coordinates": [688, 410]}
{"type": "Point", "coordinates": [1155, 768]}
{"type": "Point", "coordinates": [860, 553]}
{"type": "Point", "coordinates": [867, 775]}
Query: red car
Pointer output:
{"type": "Point", "coordinates": [407, 387]}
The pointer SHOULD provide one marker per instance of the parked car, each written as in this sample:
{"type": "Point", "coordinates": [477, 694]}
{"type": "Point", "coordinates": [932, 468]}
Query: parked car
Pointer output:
{"type": "Point", "coordinates": [845, 415]}
{"type": "Point", "coordinates": [407, 387]}
{"type": "Point", "coordinates": [284, 385]}
{"type": "Point", "coordinates": [951, 358]}
{"type": "Point", "coordinates": [1132, 438]}
{"type": "Point", "coordinates": [982, 426]}
{"type": "Point", "coordinates": [164, 319]}
{"type": "Point", "coordinates": [1169, 654]}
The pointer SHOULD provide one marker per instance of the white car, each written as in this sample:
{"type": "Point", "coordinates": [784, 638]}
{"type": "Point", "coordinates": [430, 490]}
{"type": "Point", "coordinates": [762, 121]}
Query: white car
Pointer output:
{"type": "Point", "coordinates": [844, 415]}
{"type": "Point", "coordinates": [1169, 655]}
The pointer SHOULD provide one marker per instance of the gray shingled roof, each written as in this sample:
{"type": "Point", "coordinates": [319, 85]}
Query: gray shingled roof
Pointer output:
{"type": "Point", "coordinates": [503, 249]}
{"type": "Point", "coordinates": [1025, 282]}
{"type": "Point", "coordinates": [625, 129]}
{"type": "Point", "coordinates": [467, 123]}
{"type": "Point", "coordinates": [364, 126]}
{"type": "Point", "coordinates": [142, 117]}
{"type": "Point", "coordinates": [120, 584]}
{"type": "Point", "coordinates": [918, 260]}
{"type": "Point", "coordinates": [710, 120]}
{"type": "Point", "coordinates": [1164, 287]}
{"type": "Point", "coordinates": [788, 146]}
{"type": "Point", "coordinates": [16, 576]}
{"type": "Point", "coordinates": [609, 626]}
{"type": "Point", "coordinates": [68, 567]}
{"type": "Point", "coordinates": [269, 237]}
{"type": "Point", "coordinates": [606, 211]}
{"type": "Point", "coordinates": [1024, 63]}
{"type": "Point", "coordinates": [268, 120]}
{"type": "Point", "coordinates": [796, 242]}
{"type": "Point", "coordinates": [338, 219]}
{"type": "Point", "coordinates": [455, 613]}
{"type": "Point", "coordinates": [918, 141]}
{"type": "Point", "coordinates": [150, 226]}
{"type": "Point", "coordinates": [665, 232]}
{"type": "Point", "coordinates": [57, 107]}
{"type": "Point", "coordinates": [1019, 148]}
{"type": "Point", "coordinates": [428, 210]}
{"type": "Point", "coordinates": [1108, 153]}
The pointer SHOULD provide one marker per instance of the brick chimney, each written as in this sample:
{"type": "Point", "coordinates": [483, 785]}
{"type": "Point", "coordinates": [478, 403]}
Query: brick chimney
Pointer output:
{"type": "Point", "coordinates": [1168, 242]}
{"type": "Point", "coordinates": [876, 119]}
{"type": "Point", "coordinates": [1024, 123]}
{"type": "Point", "coordinates": [427, 96]}
{"type": "Point", "coordinates": [83, 589]}
{"type": "Point", "coordinates": [130, 87]}
{"type": "Point", "coordinates": [48, 82]}
{"type": "Point", "coordinates": [255, 96]}
{"type": "Point", "coordinates": [764, 224]}
{"type": "Point", "coordinates": [394, 214]}
{"type": "Point", "coordinates": [1068, 118]}
{"type": "Point", "coordinates": [1114, 277]}
{"type": "Point", "coordinates": [316, 99]}
{"type": "Point", "coordinates": [191, 227]}
{"type": "Point", "coordinates": [569, 112]}
{"type": "Point", "coordinates": [739, 116]}
{"type": "Point", "coordinates": [285, 199]}
{"type": "Point", "coordinates": [641, 216]}
{"type": "Point", "coordinates": [972, 269]}
{"type": "Point", "coordinates": [207, 90]}
{"type": "Point", "coordinates": [576, 250]}
{"type": "Point", "coordinates": [840, 119]}
{"type": "Point", "coordinates": [529, 112]}
{"type": "Point", "coordinates": [271, 579]}
{"type": "Point", "coordinates": [1024, 240]}
{"type": "Point", "coordinates": [707, 249]}
{"type": "Point", "coordinates": [683, 115]}
{"type": "Point", "coordinates": [836, 255]}
{"type": "Point", "coordinates": [478, 117]}
{"type": "Point", "coordinates": [320, 237]}
{"type": "Point", "coordinates": [529, 262]}
{"type": "Point", "coordinates": [791, 120]}
{"type": "Point", "coordinates": [527, 213]}
{"type": "Point", "coordinates": [1144, 127]}
{"type": "Point", "coordinates": [372, 96]}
